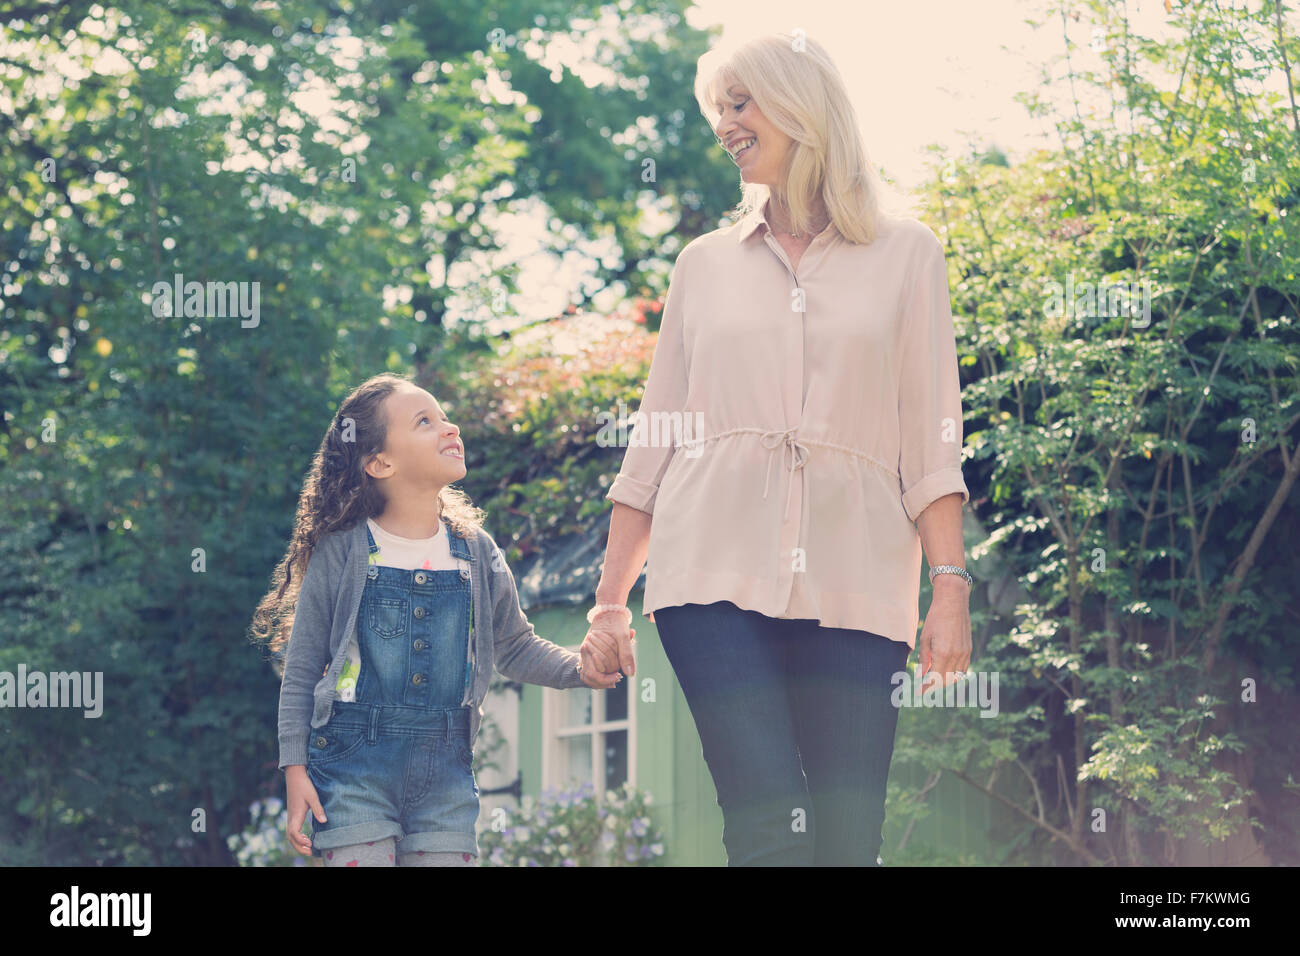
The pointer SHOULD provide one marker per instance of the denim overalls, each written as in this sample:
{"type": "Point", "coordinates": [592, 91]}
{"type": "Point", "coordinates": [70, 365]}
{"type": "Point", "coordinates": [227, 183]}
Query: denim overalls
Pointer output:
{"type": "Point", "coordinates": [397, 760]}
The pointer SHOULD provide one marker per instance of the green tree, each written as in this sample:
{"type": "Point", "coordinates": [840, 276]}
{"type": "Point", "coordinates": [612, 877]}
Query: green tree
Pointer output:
{"type": "Point", "coordinates": [1140, 470]}
{"type": "Point", "coordinates": [324, 154]}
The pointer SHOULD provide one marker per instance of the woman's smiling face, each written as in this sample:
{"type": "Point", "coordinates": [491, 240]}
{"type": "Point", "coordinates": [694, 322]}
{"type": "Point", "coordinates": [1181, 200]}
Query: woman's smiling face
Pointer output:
{"type": "Point", "coordinates": [742, 121]}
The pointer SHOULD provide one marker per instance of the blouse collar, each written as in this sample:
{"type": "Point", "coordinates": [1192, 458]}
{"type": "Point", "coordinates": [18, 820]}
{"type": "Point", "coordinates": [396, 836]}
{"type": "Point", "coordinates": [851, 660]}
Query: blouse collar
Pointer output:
{"type": "Point", "coordinates": [745, 228]}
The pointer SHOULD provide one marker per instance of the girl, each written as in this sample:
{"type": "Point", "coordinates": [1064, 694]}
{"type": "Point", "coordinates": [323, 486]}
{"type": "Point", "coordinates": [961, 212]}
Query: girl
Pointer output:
{"type": "Point", "coordinates": [404, 605]}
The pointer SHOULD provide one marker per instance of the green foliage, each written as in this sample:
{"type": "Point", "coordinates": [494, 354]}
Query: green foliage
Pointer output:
{"type": "Point", "coordinates": [1141, 477]}
{"type": "Point", "coordinates": [262, 842]}
{"type": "Point", "coordinates": [534, 420]}
{"type": "Point", "coordinates": [196, 143]}
{"type": "Point", "coordinates": [570, 828]}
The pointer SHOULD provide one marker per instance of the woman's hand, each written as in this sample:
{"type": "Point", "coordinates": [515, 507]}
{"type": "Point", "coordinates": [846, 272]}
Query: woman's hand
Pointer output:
{"type": "Point", "coordinates": [300, 795]}
{"type": "Point", "coordinates": [606, 650]}
{"type": "Point", "coordinates": [945, 640]}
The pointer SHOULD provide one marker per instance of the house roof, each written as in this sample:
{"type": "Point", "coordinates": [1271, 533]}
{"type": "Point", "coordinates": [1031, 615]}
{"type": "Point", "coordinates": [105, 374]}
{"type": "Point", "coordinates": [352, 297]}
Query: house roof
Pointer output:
{"type": "Point", "coordinates": [567, 570]}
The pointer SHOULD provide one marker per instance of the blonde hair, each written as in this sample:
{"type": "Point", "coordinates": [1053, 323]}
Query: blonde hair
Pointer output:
{"type": "Point", "coordinates": [793, 81]}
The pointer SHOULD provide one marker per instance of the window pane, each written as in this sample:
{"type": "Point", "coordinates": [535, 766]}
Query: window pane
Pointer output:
{"type": "Point", "coordinates": [576, 758]}
{"type": "Point", "coordinates": [615, 758]}
{"type": "Point", "coordinates": [616, 701]}
{"type": "Point", "coordinates": [576, 710]}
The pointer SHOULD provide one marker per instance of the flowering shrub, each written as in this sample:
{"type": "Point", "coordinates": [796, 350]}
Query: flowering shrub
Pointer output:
{"type": "Point", "coordinates": [263, 841]}
{"type": "Point", "coordinates": [570, 828]}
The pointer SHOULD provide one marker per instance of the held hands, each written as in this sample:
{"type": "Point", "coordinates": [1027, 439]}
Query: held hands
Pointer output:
{"type": "Point", "coordinates": [607, 650]}
{"type": "Point", "coordinates": [945, 639]}
{"type": "Point", "coordinates": [300, 795]}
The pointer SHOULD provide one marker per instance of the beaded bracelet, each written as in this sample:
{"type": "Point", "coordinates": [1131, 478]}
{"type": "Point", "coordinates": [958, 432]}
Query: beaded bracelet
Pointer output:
{"type": "Point", "coordinates": [601, 608]}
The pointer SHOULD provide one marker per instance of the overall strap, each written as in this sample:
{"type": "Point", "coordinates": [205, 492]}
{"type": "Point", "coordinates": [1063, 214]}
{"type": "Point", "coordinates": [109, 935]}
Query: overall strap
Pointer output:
{"type": "Point", "coordinates": [459, 546]}
{"type": "Point", "coordinates": [371, 561]}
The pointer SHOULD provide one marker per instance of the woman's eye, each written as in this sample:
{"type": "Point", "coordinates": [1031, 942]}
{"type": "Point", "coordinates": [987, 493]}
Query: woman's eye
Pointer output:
{"type": "Point", "coordinates": [741, 105]}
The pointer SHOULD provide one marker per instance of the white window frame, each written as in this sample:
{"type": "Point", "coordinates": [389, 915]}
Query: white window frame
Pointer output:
{"type": "Point", "coordinates": [553, 708]}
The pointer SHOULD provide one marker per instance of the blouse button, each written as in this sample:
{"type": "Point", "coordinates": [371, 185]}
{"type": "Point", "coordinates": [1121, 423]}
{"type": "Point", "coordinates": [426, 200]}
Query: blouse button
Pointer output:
{"type": "Point", "coordinates": [417, 679]}
{"type": "Point", "coordinates": [419, 645]}
{"type": "Point", "coordinates": [419, 612]}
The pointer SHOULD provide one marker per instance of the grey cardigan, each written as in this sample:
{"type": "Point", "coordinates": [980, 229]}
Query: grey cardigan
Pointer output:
{"type": "Point", "coordinates": [326, 616]}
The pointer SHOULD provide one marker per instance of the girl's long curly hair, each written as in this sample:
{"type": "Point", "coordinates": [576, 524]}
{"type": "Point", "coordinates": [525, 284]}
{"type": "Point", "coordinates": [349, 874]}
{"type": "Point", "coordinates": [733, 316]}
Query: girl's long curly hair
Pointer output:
{"type": "Point", "coordinates": [337, 494]}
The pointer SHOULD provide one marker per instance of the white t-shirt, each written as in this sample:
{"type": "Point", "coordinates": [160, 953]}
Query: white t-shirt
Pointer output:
{"type": "Point", "coordinates": [431, 554]}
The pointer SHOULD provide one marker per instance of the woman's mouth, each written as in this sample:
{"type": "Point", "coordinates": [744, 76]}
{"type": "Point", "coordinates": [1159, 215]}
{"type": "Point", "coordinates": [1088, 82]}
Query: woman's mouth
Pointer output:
{"type": "Point", "coordinates": [743, 147]}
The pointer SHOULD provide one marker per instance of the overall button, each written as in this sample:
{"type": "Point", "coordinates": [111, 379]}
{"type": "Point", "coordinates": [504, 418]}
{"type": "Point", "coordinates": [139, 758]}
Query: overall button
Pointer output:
{"type": "Point", "coordinates": [419, 645]}
{"type": "Point", "coordinates": [372, 572]}
{"type": "Point", "coordinates": [464, 575]}
{"type": "Point", "coordinates": [420, 577]}
{"type": "Point", "coordinates": [417, 679]}
{"type": "Point", "coordinates": [419, 612]}
{"type": "Point", "coordinates": [320, 741]}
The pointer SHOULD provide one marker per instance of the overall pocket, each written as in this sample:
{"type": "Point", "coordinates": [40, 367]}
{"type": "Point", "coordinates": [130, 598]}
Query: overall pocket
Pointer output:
{"type": "Point", "coordinates": [326, 746]}
{"type": "Point", "coordinates": [386, 617]}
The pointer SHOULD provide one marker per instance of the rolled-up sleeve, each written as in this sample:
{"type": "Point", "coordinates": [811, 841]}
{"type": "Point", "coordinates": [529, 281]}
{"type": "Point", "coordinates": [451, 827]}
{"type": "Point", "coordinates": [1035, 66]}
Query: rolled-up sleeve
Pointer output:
{"type": "Point", "coordinates": [929, 389]}
{"type": "Point", "coordinates": [649, 449]}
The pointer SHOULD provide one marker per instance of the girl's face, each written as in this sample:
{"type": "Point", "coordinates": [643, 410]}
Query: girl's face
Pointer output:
{"type": "Point", "coordinates": [422, 450]}
{"type": "Point", "coordinates": [742, 121]}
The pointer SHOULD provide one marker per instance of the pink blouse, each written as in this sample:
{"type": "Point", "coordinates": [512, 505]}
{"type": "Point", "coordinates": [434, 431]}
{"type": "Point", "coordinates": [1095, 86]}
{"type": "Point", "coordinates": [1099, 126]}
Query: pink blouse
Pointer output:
{"type": "Point", "coordinates": [793, 427]}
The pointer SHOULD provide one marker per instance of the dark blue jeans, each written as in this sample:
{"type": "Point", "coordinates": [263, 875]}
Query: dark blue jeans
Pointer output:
{"type": "Point", "coordinates": [796, 726]}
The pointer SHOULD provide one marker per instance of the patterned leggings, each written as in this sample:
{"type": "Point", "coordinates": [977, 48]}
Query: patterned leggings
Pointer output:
{"type": "Point", "coordinates": [381, 853]}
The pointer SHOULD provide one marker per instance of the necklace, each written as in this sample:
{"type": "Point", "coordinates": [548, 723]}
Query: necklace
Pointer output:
{"type": "Point", "coordinates": [795, 235]}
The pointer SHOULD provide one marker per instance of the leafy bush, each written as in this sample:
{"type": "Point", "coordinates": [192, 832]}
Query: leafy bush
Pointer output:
{"type": "Point", "coordinates": [570, 828]}
{"type": "Point", "coordinates": [263, 841]}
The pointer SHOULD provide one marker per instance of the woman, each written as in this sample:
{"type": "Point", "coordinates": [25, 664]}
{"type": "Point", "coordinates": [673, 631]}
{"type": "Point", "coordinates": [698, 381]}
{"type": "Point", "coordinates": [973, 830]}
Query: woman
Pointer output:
{"type": "Point", "coordinates": [809, 345]}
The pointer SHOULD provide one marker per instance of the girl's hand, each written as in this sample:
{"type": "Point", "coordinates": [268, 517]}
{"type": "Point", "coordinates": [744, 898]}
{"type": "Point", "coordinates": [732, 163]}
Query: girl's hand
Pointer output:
{"type": "Point", "coordinates": [300, 794]}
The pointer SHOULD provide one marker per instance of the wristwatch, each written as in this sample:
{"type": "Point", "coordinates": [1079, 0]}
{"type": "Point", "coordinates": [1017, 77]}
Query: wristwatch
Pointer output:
{"type": "Point", "coordinates": [951, 569]}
